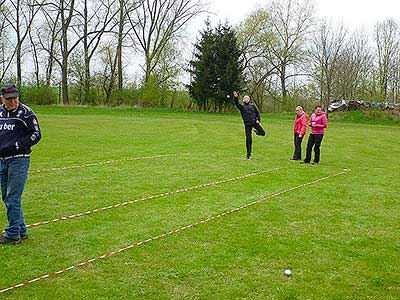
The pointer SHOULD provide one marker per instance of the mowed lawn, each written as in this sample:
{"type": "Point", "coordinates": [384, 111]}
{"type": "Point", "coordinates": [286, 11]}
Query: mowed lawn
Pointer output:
{"type": "Point", "coordinates": [340, 237]}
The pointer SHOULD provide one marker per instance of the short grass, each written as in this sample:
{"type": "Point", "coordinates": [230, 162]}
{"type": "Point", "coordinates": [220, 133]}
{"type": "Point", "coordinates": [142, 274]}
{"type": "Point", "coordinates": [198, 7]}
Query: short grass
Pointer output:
{"type": "Point", "coordinates": [340, 237]}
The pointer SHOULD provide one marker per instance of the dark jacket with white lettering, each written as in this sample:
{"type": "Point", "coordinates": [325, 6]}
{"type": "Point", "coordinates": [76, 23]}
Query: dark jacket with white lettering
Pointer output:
{"type": "Point", "coordinates": [249, 112]}
{"type": "Point", "coordinates": [19, 131]}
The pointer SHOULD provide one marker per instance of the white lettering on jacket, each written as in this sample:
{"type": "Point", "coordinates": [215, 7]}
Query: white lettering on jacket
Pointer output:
{"type": "Point", "coordinates": [6, 126]}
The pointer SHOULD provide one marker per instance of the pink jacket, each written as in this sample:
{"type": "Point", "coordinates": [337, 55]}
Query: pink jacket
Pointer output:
{"type": "Point", "coordinates": [321, 123]}
{"type": "Point", "coordinates": [300, 124]}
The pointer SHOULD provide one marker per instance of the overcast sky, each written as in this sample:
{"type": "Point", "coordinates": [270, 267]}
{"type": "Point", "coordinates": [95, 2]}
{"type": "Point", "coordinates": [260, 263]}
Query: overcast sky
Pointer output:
{"type": "Point", "coordinates": [354, 13]}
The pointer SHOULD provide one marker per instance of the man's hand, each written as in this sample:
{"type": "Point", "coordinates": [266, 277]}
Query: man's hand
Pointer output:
{"type": "Point", "coordinates": [300, 135]}
{"type": "Point", "coordinates": [235, 94]}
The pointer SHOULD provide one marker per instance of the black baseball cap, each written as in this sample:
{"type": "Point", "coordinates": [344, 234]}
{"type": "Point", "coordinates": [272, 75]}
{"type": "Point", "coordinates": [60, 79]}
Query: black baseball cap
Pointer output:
{"type": "Point", "coordinates": [9, 91]}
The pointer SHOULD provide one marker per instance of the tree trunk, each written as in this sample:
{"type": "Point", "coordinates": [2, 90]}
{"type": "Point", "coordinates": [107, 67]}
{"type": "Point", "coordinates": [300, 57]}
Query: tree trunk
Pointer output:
{"type": "Point", "coordinates": [119, 45]}
{"type": "Point", "coordinates": [283, 85]}
{"type": "Point", "coordinates": [19, 46]}
{"type": "Point", "coordinates": [87, 77]}
{"type": "Point", "coordinates": [64, 66]}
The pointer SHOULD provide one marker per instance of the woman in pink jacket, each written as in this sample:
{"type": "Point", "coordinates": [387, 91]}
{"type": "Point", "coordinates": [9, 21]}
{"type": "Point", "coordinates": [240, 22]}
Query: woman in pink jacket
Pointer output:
{"type": "Point", "coordinates": [300, 129]}
{"type": "Point", "coordinates": [318, 123]}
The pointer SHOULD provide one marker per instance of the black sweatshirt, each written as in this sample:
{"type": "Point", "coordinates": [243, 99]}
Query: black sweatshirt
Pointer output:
{"type": "Point", "coordinates": [249, 112]}
{"type": "Point", "coordinates": [19, 131]}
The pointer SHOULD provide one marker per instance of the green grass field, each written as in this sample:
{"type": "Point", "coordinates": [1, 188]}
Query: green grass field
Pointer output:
{"type": "Point", "coordinates": [340, 237]}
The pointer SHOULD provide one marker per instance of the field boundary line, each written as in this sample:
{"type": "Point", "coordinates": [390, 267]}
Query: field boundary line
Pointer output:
{"type": "Point", "coordinates": [179, 229]}
{"type": "Point", "coordinates": [145, 198]}
{"type": "Point", "coordinates": [105, 162]}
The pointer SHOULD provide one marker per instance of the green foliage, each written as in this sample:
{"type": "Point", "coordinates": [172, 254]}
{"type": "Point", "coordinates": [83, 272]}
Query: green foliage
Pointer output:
{"type": "Point", "coordinates": [216, 68]}
{"type": "Point", "coordinates": [42, 95]}
{"type": "Point", "coordinates": [227, 65]}
{"type": "Point", "coordinates": [151, 92]}
{"type": "Point", "coordinates": [372, 116]}
{"type": "Point", "coordinates": [179, 100]}
{"type": "Point", "coordinates": [130, 96]}
{"type": "Point", "coordinates": [95, 96]}
{"type": "Point", "coordinates": [203, 69]}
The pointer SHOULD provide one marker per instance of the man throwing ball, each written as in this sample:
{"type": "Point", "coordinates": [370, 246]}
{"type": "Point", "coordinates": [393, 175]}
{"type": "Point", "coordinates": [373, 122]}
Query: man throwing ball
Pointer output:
{"type": "Point", "coordinates": [251, 119]}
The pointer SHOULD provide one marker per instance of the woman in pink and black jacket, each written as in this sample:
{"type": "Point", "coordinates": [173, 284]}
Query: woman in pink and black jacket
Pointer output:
{"type": "Point", "coordinates": [300, 129]}
{"type": "Point", "coordinates": [318, 123]}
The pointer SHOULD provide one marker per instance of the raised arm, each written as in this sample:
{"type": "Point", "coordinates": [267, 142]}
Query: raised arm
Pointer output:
{"type": "Point", "coordinates": [236, 100]}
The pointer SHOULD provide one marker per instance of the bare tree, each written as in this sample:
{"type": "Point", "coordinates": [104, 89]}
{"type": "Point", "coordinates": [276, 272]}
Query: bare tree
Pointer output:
{"type": "Point", "coordinates": [126, 7]}
{"type": "Point", "coordinates": [35, 57]}
{"type": "Point", "coordinates": [73, 24]}
{"type": "Point", "coordinates": [387, 44]}
{"type": "Point", "coordinates": [290, 21]}
{"type": "Point", "coordinates": [109, 62]}
{"type": "Point", "coordinates": [20, 14]}
{"type": "Point", "coordinates": [255, 38]}
{"type": "Point", "coordinates": [326, 45]}
{"type": "Point", "coordinates": [48, 36]}
{"type": "Point", "coordinates": [354, 67]}
{"type": "Point", "coordinates": [94, 19]}
{"type": "Point", "coordinates": [66, 9]}
{"type": "Point", "coordinates": [6, 54]}
{"type": "Point", "coordinates": [155, 22]}
{"type": "Point", "coordinates": [395, 76]}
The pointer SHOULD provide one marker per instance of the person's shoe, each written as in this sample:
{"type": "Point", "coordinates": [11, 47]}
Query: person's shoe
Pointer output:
{"type": "Point", "coordinates": [5, 240]}
{"type": "Point", "coordinates": [305, 162]}
{"type": "Point", "coordinates": [315, 163]}
{"type": "Point", "coordinates": [24, 237]}
{"type": "Point", "coordinates": [248, 156]}
{"type": "Point", "coordinates": [294, 158]}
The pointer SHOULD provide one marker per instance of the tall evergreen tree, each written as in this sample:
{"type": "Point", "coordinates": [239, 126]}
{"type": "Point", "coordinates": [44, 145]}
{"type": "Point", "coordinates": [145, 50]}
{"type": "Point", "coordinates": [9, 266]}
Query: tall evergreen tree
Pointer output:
{"type": "Point", "coordinates": [216, 68]}
{"type": "Point", "coordinates": [228, 65]}
{"type": "Point", "coordinates": [202, 69]}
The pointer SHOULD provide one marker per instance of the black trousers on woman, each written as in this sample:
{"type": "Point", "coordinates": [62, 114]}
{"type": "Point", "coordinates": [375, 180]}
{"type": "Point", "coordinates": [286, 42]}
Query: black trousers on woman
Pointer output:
{"type": "Point", "coordinates": [314, 140]}
{"type": "Point", "coordinates": [248, 129]}
{"type": "Point", "coordinates": [297, 146]}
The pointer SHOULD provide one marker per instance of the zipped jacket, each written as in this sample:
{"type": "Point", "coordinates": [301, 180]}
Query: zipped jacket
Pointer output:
{"type": "Point", "coordinates": [249, 112]}
{"type": "Point", "coordinates": [321, 123]}
{"type": "Point", "coordinates": [19, 131]}
{"type": "Point", "coordinates": [300, 124]}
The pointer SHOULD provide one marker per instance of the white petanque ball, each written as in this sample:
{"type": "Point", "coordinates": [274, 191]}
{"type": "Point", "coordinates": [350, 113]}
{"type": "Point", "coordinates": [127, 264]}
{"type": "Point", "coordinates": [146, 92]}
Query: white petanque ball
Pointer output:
{"type": "Point", "coordinates": [228, 96]}
{"type": "Point", "coordinates": [288, 272]}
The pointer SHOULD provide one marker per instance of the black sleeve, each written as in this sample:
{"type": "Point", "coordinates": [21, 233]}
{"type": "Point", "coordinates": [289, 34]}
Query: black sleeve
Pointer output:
{"type": "Point", "coordinates": [33, 134]}
{"type": "Point", "coordinates": [257, 113]}
{"type": "Point", "coordinates": [237, 104]}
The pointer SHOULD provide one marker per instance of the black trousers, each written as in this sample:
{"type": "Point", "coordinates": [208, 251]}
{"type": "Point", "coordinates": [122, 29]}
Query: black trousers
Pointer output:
{"type": "Point", "coordinates": [297, 146]}
{"type": "Point", "coordinates": [249, 141]}
{"type": "Point", "coordinates": [314, 140]}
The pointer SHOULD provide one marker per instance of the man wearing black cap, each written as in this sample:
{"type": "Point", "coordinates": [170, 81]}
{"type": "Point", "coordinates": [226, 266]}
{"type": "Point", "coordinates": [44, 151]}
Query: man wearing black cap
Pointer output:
{"type": "Point", "coordinates": [19, 130]}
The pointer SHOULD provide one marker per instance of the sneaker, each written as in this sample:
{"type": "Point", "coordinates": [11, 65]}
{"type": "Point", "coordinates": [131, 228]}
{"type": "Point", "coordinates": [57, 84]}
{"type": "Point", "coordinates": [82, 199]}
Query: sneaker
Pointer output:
{"type": "Point", "coordinates": [24, 237]}
{"type": "Point", "coordinates": [248, 156]}
{"type": "Point", "coordinates": [315, 163]}
{"type": "Point", "coordinates": [305, 162]}
{"type": "Point", "coordinates": [5, 240]}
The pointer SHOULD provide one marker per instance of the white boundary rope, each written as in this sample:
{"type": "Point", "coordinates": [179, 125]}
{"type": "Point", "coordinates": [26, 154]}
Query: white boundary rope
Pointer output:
{"type": "Point", "coordinates": [184, 190]}
{"type": "Point", "coordinates": [103, 163]}
{"type": "Point", "coordinates": [89, 261]}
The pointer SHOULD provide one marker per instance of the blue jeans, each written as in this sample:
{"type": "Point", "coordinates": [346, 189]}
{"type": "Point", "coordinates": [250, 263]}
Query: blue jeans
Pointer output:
{"type": "Point", "coordinates": [13, 175]}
